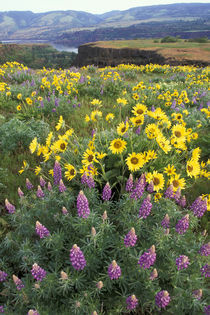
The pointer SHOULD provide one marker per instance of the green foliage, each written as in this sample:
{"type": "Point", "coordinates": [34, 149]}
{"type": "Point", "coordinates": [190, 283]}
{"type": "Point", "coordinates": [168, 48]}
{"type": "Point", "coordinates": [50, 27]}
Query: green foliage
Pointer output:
{"type": "Point", "coordinates": [198, 40]}
{"type": "Point", "coordinates": [169, 39]}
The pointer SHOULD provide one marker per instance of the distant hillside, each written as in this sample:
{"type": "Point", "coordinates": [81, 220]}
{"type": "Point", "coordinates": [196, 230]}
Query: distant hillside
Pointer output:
{"type": "Point", "coordinates": [62, 25]}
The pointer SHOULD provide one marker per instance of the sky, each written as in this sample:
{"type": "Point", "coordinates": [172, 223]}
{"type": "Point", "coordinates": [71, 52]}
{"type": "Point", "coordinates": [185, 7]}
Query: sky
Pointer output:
{"type": "Point", "coordinates": [91, 6]}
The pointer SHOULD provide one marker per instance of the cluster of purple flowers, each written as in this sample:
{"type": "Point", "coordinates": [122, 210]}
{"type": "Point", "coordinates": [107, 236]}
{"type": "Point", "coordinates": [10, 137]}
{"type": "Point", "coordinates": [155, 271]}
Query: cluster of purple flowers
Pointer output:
{"type": "Point", "coordinates": [199, 207]}
{"type": "Point", "coordinates": [114, 271]}
{"type": "Point", "coordinates": [42, 181]}
{"type": "Point", "coordinates": [205, 249]}
{"type": "Point", "coordinates": [148, 258]}
{"type": "Point", "coordinates": [207, 310]}
{"type": "Point", "coordinates": [131, 302]}
{"type": "Point", "coordinates": [41, 230]}
{"type": "Point", "coordinates": [169, 193]}
{"type": "Point", "coordinates": [83, 209]}
{"type": "Point", "coordinates": [61, 187]}
{"type": "Point", "coordinates": [1, 309]}
{"type": "Point", "coordinates": [162, 299]}
{"type": "Point", "coordinates": [29, 185]}
{"type": "Point", "coordinates": [182, 262]}
{"type": "Point", "coordinates": [3, 276]}
{"type": "Point", "coordinates": [87, 180]}
{"type": "Point", "coordinates": [166, 222]}
{"type": "Point", "coordinates": [20, 192]}
{"type": "Point", "coordinates": [49, 186]}
{"type": "Point", "coordinates": [205, 271]}
{"type": "Point", "coordinates": [130, 238]}
{"type": "Point", "coordinates": [37, 272]}
{"type": "Point", "coordinates": [129, 184]}
{"type": "Point", "coordinates": [107, 192]}
{"type": "Point", "coordinates": [182, 225]}
{"type": "Point", "coordinates": [197, 294]}
{"type": "Point", "coordinates": [145, 208]}
{"type": "Point", "coordinates": [150, 187]}
{"type": "Point", "coordinates": [18, 283]}
{"type": "Point", "coordinates": [77, 258]}
{"type": "Point", "coordinates": [139, 188]}
{"type": "Point", "coordinates": [40, 193]}
{"type": "Point", "coordinates": [57, 174]}
{"type": "Point", "coordinates": [10, 208]}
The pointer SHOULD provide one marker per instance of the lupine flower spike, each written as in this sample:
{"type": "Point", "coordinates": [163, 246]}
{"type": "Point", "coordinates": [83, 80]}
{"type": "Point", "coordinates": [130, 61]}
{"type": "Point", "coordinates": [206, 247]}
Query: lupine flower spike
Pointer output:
{"type": "Point", "coordinates": [130, 238]}
{"type": "Point", "coordinates": [106, 194]}
{"type": "Point", "coordinates": [183, 224]}
{"type": "Point", "coordinates": [10, 208]}
{"type": "Point", "coordinates": [37, 272]}
{"type": "Point", "coordinates": [18, 283]}
{"type": "Point", "coordinates": [82, 205]}
{"type": "Point", "coordinates": [41, 230]}
{"type": "Point", "coordinates": [148, 258]}
{"type": "Point", "coordinates": [162, 299]}
{"type": "Point", "coordinates": [3, 276]}
{"type": "Point", "coordinates": [57, 175]}
{"type": "Point", "coordinates": [145, 208]}
{"type": "Point", "coordinates": [40, 193]}
{"type": "Point", "coordinates": [77, 258]}
{"type": "Point", "coordinates": [131, 302]}
{"type": "Point", "coordinates": [114, 271]}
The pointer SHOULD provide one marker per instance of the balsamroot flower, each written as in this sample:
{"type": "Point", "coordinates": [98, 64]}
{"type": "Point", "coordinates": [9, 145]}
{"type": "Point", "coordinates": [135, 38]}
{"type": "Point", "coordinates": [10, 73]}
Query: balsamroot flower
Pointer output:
{"type": "Point", "coordinates": [41, 230]}
{"type": "Point", "coordinates": [199, 207]}
{"type": "Point", "coordinates": [29, 185]}
{"type": "Point", "coordinates": [205, 249]}
{"type": "Point", "coordinates": [205, 271]}
{"type": "Point", "coordinates": [37, 272]}
{"type": "Point", "coordinates": [182, 225]}
{"type": "Point", "coordinates": [130, 238]}
{"type": "Point", "coordinates": [77, 258]}
{"type": "Point", "coordinates": [106, 194]}
{"type": "Point", "coordinates": [131, 302]}
{"type": "Point", "coordinates": [10, 208]}
{"type": "Point", "coordinates": [18, 282]}
{"type": "Point", "coordinates": [182, 262]}
{"type": "Point", "coordinates": [148, 258]}
{"type": "Point", "coordinates": [62, 187]}
{"type": "Point", "coordinates": [114, 271]}
{"type": "Point", "coordinates": [145, 208]}
{"type": "Point", "coordinates": [3, 276]}
{"type": "Point", "coordinates": [82, 205]}
{"type": "Point", "coordinates": [40, 193]}
{"type": "Point", "coordinates": [129, 184]}
{"type": "Point", "coordinates": [166, 222]}
{"type": "Point", "coordinates": [162, 299]}
{"type": "Point", "coordinates": [57, 175]}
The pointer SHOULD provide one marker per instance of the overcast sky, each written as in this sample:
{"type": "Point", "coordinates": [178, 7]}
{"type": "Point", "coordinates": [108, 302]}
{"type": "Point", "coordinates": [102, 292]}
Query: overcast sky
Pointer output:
{"type": "Point", "coordinates": [92, 6]}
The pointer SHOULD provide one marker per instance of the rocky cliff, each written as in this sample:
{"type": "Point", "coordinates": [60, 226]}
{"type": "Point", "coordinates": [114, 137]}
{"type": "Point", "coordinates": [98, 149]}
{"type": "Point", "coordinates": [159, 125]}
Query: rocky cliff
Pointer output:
{"type": "Point", "coordinates": [91, 54]}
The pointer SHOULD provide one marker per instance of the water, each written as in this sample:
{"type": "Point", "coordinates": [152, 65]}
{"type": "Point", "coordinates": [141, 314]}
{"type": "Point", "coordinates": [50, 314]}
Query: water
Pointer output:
{"type": "Point", "coordinates": [58, 47]}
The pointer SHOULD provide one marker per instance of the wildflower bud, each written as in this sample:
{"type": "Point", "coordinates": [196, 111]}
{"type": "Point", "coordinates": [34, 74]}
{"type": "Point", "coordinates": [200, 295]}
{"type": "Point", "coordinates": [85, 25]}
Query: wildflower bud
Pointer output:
{"type": "Point", "coordinates": [204, 232]}
{"type": "Point", "coordinates": [49, 186]}
{"type": "Point", "coordinates": [41, 230]}
{"type": "Point", "coordinates": [62, 187]}
{"type": "Point", "coordinates": [40, 193]}
{"type": "Point", "coordinates": [20, 192]}
{"type": "Point", "coordinates": [10, 208]}
{"type": "Point", "coordinates": [104, 216]}
{"type": "Point", "coordinates": [1, 309]}
{"type": "Point", "coordinates": [57, 175]}
{"type": "Point", "coordinates": [77, 304]}
{"type": "Point", "coordinates": [42, 181]}
{"type": "Point", "coordinates": [64, 275]}
{"type": "Point", "coordinates": [166, 221]}
{"type": "Point", "coordinates": [100, 285]}
{"type": "Point", "coordinates": [29, 185]}
{"type": "Point", "coordinates": [93, 231]}
{"type": "Point", "coordinates": [37, 285]}
{"type": "Point", "coordinates": [154, 274]}
{"type": "Point", "coordinates": [94, 313]}
{"type": "Point", "coordinates": [106, 194]}
{"type": "Point", "coordinates": [131, 302]}
{"type": "Point", "coordinates": [167, 231]}
{"type": "Point", "coordinates": [198, 294]}
{"type": "Point", "coordinates": [33, 312]}
{"type": "Point", "coordinates": [3, 276]}
{"type": "Point", "coordinates": [18, 282]}
{"type": "Point", "coordinates": [129, 184]}
{"type": "Point", "coordinates": [64, 211]}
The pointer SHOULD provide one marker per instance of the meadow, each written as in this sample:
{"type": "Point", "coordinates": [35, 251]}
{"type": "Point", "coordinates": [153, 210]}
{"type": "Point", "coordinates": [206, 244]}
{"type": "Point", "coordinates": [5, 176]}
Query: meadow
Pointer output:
{"type": "Point", "coordinates": [104, 183]}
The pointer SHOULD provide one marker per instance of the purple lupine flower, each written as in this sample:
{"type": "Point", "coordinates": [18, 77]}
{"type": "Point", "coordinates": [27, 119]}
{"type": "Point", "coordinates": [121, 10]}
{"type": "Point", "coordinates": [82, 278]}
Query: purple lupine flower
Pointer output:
{"type": "Point", "coordinates": [1, 309]}
{"type": "Point", "coordinates": [64, 211]}
{"type": "Point", "coordinates": [205, 271]}
{"type": "Point", "coordinates": [84, 179]}
{"type": "Point", "coordinates": [42, 181]}
{"type": "Point", "coordinates": [182, 202]}
{"type": "Point", "coordinates": [57, 175]}
{"type": "Point", "coordinates": [207, 310]}
{"type": "Point", "coordinates": [10, 208]}
{"type": "Point", "coordinates": [205, 249]}
{"type": "Point", "coordinates": [182, 225]}
{"type": "Point", "coordinates": [49, 186]}
{"type": "Point", "coordinates": [3, 276]}
{"type": "Point", "coordinates": [197, 294]}
{"type": "Point", "coordinates": [40, 193]}
{"type": "Point", "coordinates": [182, 262]}
{"type": "Point", "coordinates": [145, 208]}
{"type": "Point", "coordinates": [199, 206]}
{"type": "Point", "coordinates": [177, 195]}
{"type": "Point", "coordinates": [83, 209]}
{"type": "Point", "coordinates": [106, 194]}
{"type": "Point", "coordinates": [37, 272]}
{"type": "Point", "coordinates": [148, 258]}
{"type": "Point", "coordinates": [150, 187]}
{"type": "Point", "coordinates": [138, 130]}
{"type": "Point", "coordinates": [169, 193]}
{"type": "Point", "coordinates": [33, 312]}
{"type": "Point", "coordinates": [18, 282]}
{"type": "Point", "coordinates": [138, 190]}
{"type": "Point", "coordinates": [41, 230]}
{"type": "Point", "coordinates": [62, 187]}
{"type": "Point", "coordinates": [162, 299]}
{"type": "Point", "coordinates": [114, 271]}
{"type": "Point", "coordinates": [153, 274]}
{"type": "Point", "coordinates": [29, 185]}
{"type": "Point", "coordinates": [166, 222]}
{"type": "Point", "coordinates": [88, 180]}
{"type": "Point", "coordinates": [130, 238]}
{"type": "Point", "coordinates": [77, 258]}
{"type": "Point", "coordinates": [131, 302]}
{"type": "Point", "coordinates": [129, 184]}
{"type": "Point", "coordinates": [20, 192]}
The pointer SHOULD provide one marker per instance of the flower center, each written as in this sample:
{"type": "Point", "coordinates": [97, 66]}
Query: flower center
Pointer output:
{"type": "Point", "coordinates": [62, 146]}
{"type": "Point", "coordinates": [190, 168]}
{"type": "Point", "coordinates": [90, 158]}
{"type": "Point", "coordinates": [123, 129]}
{"type": "Point", "coordinates": [140, 111]}
{"type": "Point", "coordinates": [134, 160]}
{"type": "Point", "coordinates": [72, 172]}
{"type": "Point", "coordinates": [178, 134]}
{"type": "Point", "coordinates": [117, 144]}
{"type": "Point", "coordinates": [175, 183]}
{"type": "Point", "coordinates": [156, 181]}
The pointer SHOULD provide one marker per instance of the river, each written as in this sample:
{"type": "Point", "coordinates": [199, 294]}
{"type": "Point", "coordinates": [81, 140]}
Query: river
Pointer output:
{"type": "Point", "coordinates": [58, 47]}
